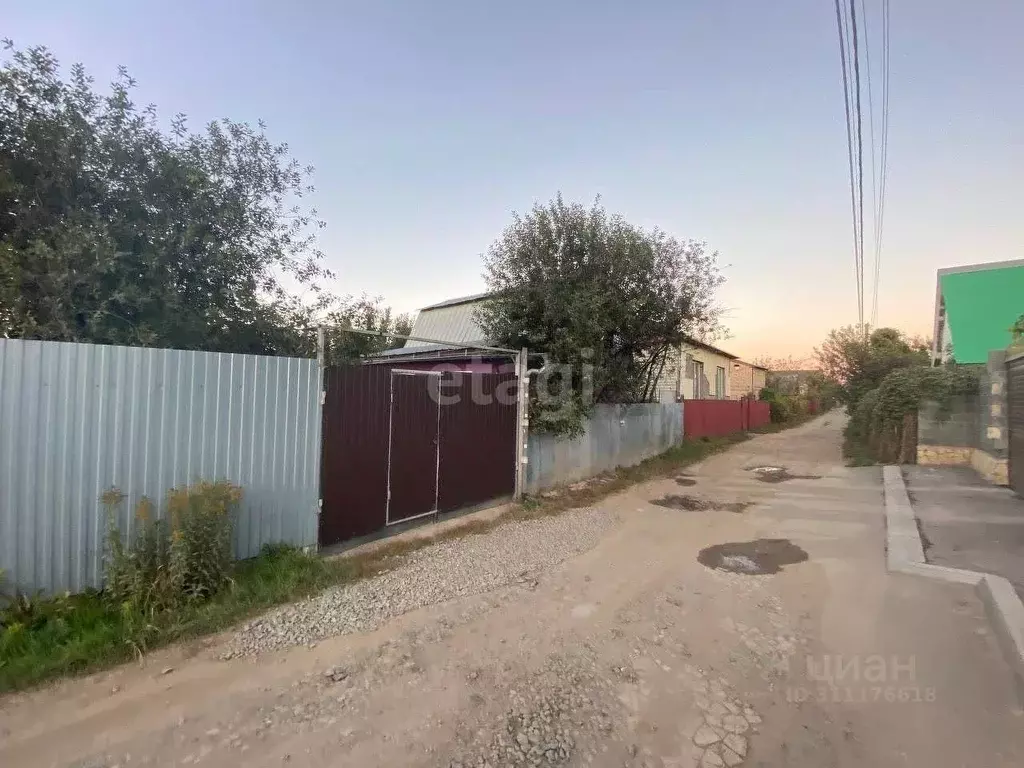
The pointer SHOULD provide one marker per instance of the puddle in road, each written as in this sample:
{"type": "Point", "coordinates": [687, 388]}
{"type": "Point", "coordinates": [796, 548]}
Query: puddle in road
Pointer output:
{"type": "Point", "coordinates": [757, 557]}
{"type": "Point", "coordinates": [698, 504]}
{"type": "Point", "coordinates": [771, 474]}
{"type": "Point", "coordinates": [684, 480]}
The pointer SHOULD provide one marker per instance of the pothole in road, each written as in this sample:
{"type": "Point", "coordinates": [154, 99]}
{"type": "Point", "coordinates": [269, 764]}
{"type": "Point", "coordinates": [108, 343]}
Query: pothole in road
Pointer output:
{"type": "Point", "coordinates": [771, 474]}
{"type": "Point", "coordinates": [755, 558]}
{"type": "Point", "coordinates": [684, 480]}
{"type": "Point", "coordinates": [689, 503]}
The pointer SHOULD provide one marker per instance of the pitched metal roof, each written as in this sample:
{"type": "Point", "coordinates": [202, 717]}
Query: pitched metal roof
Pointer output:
{"type": "Point", "coordinates": [751, 365]}
{"type": "Point", "coordinates": [703, 345]}
{"type": "Point", "coordinates": [450, 321]}
{"type": "Point", "coordinates": [454, 321]}
{"type": "Point", "coordinates": [452, 302]}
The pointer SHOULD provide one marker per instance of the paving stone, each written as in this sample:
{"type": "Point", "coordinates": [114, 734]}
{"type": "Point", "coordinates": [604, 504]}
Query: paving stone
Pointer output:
{"type": "Point", "coordinates": [737, 744]}
{"type": "Point", "coordinates": [706, 736]}
{"type": "Point", "coordinates": [730, 758]}
{"type": "Point", "coordinates": [735, 724]}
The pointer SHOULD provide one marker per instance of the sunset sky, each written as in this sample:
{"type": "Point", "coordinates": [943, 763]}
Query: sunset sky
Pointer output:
{"type": "Point", "coordinates": [430, 122]}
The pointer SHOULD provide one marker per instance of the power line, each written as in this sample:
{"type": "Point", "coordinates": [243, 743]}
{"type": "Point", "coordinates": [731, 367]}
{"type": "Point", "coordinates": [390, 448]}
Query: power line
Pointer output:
{"type": "Point", "coordinates": [849, 155]}
{"type": "Point", "coordinates": [874, 164]}
{"type": "Point", "coordinates": [883, 173]}
{"type": "Point", "coordinates": [860, 150]}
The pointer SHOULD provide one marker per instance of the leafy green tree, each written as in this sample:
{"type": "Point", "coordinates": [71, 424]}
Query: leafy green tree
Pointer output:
{"type": "Point", "coordinates": [368, 314]}
{"type": "Point", "coordinates": [599, 294]}
{"type": "Point", "coordinates": [858, 361]}
{"type": "Point", "coordinates": [1017, 331]}
{"type": "Point", "coordinates": [114, 231]}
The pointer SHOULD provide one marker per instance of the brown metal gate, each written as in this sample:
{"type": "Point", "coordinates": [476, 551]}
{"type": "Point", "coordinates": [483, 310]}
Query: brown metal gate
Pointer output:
{"type": "Point", "coordinates": [1015, 419]}
{"type": "Point", "coordinates": [401, 444]}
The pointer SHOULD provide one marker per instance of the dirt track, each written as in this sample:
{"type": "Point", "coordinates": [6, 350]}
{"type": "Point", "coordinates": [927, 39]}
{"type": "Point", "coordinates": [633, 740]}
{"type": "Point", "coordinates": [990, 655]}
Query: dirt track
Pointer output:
{"type": "Point", "coordinates": [631, 653]}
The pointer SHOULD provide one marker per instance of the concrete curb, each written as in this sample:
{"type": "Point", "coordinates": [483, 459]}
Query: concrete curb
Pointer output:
{"type": "Point", "coordinates": [905, 554]}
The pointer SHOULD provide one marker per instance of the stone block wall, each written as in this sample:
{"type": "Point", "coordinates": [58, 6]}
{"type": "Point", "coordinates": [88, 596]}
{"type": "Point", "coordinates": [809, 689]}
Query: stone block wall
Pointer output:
{"type": "Point", "coordinates": [943, 455]}
{"type": "Point", "coordinates": [974, 432]}
{"type": "Point", "coordinates": [993, 469]}
{"type": "Point", "coordinates": [992, 412]}
{"type": "Point", "coordinates": [956, 427]}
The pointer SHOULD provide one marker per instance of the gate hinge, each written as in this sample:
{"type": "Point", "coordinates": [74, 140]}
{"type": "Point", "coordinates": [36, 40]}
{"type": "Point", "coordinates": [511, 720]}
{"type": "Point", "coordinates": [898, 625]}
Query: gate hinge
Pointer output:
{"type": "Point", "coordinates": [323, 397]}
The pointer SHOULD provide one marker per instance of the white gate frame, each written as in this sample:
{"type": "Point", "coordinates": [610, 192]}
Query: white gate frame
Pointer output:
{"type": "Point", "coordinates": [437, 444]}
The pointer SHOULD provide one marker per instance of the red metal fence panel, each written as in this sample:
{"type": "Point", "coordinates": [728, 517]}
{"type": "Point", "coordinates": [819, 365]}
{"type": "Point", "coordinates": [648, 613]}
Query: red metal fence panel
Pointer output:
{"type": "Point", "coordinates": [711, 418]}
{"type": "Point", "coordinates": [759, 413]}
{"type": "Point", "coordinates": [714, 418]}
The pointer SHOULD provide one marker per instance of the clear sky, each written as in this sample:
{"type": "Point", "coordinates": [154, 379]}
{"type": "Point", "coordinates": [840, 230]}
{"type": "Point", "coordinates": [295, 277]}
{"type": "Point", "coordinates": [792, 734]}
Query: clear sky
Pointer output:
{"type": "Point", "coordinates": [429, 121]}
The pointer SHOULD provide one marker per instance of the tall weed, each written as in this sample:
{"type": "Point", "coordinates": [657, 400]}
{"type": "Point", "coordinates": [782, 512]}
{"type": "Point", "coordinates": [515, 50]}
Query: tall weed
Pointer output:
{"type": "Point", "coordinates": [186, 558]}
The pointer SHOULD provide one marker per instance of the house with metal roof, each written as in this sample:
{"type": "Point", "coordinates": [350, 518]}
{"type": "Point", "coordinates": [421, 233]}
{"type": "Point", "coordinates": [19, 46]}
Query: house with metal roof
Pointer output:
{"type": "Point", "coordinates": [459, 340]}
{"type": "Point", "coordinates": [975, 306]}
{"type": "Point", "coordinates": [696, 370]}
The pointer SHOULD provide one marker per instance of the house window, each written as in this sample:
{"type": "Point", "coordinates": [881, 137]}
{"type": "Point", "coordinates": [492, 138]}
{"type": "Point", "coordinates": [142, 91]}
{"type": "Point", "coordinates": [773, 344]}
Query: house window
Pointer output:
{"type": "Point", "coordinates": [698, 380]}
{"type": "Point", "coordinates": [720, 383]}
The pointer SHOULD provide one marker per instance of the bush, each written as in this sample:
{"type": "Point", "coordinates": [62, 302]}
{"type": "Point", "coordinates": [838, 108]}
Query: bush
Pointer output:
{"type": "Point", "coordinates": [882, 425]}
{"type": "Point", "coordinates": [160, 569]}
{"type": "Point", "coordinates": [783, 407]}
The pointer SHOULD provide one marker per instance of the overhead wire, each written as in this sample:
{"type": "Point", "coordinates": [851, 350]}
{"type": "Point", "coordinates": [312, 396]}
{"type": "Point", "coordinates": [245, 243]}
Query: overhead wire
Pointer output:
{"type": "Point", "coordinates": [860, 150]}
{"type": "Point", "coordinates": [884, 156]}
{"type": "Point", "coordinates": [874, 173]}
{"type": "Point", "coordinates": [841, 27]}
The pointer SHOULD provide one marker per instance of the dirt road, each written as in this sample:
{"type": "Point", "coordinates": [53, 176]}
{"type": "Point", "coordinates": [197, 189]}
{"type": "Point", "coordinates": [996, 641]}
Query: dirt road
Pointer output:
{"type": "Point", "coordinates": [689, 621]}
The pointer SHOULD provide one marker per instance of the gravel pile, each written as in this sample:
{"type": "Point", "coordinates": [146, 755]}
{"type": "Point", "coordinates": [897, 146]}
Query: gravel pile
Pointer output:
{"type": "Point", "coordinates": [548, 718]}
{"type": "Point", "coordinates": [514, 552]}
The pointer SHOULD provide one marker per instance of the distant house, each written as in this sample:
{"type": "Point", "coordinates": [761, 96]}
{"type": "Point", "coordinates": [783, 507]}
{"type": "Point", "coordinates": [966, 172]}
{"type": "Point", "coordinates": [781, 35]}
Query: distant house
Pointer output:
{"type": "Point", "coordinates": [794, 382]}
{"type": "Point", "coordinates": [975, 305]}
{"type": "Point", "coordinates": [696, 370]}
{"type": "Point", "coordinates": [747, 380]}
{"type": "Point", "coordinates": [701, 371]}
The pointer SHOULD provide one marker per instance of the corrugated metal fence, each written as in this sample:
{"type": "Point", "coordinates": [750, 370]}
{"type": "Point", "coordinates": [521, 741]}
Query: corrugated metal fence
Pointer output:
{"type": "Point", "coordinates": [614, 436]}
{"type": "Point", "coordinates": [78, 419]}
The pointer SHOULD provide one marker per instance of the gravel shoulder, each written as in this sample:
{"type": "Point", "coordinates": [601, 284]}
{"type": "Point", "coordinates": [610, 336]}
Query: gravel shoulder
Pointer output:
{"type": "Point", "coordinates": [436, 574]}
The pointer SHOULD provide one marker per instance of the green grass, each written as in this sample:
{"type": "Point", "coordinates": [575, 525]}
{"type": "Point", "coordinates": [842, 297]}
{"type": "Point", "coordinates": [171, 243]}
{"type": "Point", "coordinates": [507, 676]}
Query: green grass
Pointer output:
{"type": "Point", "coordinates": [47, 638]}
{"type": "Point", "coordinates": [70, 635]}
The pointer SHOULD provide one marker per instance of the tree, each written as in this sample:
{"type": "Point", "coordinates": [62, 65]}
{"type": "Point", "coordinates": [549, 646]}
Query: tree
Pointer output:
{"type": "Point", "coordinates": [789, 363]}
{"type": "Point", "coordinates": [858, 363]}
{"type": "Point", "coordinates": [113, 231]}
{"type": "Point", "coordinates": [596, 293]}
{"type": "Point", "coordinates": [365, 313]}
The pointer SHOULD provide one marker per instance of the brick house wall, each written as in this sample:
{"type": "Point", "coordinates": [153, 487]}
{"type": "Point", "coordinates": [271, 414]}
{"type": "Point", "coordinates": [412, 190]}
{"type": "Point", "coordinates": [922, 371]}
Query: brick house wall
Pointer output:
{"type": "Point", "coordinates": [746, 379]}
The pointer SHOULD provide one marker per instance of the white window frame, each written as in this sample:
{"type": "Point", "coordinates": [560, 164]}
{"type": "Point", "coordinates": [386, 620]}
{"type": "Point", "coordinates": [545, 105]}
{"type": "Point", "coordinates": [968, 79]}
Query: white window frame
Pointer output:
{"type": "Point", "coordinates": [720, 382]}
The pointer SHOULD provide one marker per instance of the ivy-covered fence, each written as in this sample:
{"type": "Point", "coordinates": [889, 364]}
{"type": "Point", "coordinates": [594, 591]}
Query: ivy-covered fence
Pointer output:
{"type": "Point", "coordinates": [884, 422]}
